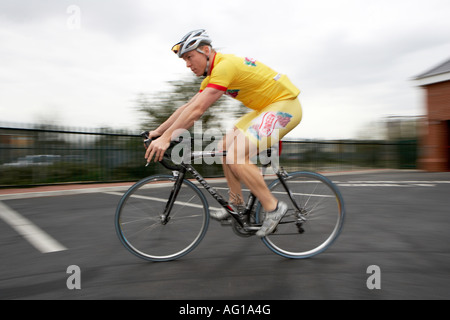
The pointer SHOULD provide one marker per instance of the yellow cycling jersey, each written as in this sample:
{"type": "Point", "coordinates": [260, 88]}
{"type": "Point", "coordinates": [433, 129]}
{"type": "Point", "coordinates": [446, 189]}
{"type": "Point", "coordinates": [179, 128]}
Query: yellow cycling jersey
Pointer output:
{"type": "Point", "coordinates": [249, 81]}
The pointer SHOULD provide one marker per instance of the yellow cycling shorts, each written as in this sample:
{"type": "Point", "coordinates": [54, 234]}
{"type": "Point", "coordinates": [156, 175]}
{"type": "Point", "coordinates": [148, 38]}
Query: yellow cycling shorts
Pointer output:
{"type": "Point", "coordinates": [267, 126]}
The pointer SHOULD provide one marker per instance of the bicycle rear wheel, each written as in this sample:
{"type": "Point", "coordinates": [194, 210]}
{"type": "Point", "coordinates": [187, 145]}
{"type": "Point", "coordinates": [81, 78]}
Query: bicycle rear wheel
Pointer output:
{"type": "Point", "coordinates": [314, 218]}
{"type": "Point", "coordinates": [143, 232]}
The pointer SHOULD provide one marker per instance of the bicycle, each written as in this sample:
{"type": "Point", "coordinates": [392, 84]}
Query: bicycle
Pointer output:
{"type": "Point", "coordinates": [165, 217]}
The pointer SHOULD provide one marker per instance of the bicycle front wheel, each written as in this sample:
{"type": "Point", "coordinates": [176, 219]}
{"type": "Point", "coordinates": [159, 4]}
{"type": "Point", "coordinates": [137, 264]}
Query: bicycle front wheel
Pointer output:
{"type": "Point", "coordinates": [143, 231]}
{"type": "Point", "coordinates": [314, 218]}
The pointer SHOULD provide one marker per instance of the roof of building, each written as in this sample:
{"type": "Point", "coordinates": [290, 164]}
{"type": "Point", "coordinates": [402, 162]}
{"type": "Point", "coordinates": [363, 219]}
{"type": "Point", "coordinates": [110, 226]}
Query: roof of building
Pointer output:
{"type": "Point", "coordinates": [437, 74]}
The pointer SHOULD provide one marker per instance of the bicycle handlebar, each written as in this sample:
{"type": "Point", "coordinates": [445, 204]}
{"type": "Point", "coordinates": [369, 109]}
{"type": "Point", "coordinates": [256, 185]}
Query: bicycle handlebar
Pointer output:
{"type": "Point", "coordinates": [166, 159]}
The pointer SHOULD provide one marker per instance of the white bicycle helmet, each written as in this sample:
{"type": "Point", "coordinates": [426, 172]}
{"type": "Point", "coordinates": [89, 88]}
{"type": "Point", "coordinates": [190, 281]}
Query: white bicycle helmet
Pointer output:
{"type": "Point", "coordinates": [192, 41]}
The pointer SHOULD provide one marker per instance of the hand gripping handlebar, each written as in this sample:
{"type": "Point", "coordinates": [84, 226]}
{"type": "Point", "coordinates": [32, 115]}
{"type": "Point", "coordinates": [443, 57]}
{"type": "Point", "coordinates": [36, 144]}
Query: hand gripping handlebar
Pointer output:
{"type": "Point", "coordinates": [166, 161]}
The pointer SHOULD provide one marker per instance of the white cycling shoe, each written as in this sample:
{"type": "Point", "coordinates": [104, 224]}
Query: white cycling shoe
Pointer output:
{"type": "Point", "coordinates": [272, 219]}
{"type": "Point", "coordinates": [222, 214]}
{"type": "Point", "coordinates": [219, 215]}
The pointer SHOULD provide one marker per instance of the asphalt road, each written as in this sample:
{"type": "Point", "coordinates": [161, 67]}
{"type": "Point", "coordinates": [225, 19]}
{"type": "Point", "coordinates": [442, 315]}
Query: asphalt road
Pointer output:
{"type": "Point", "coordinates": [397, 221]}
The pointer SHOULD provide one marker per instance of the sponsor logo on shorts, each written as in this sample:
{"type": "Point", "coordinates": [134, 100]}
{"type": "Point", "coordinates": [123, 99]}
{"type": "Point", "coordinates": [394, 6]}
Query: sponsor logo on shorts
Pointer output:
{"type": "Point", "coordinates": [264, 125]}
{"type": "Point", "coordinates": [268, 124]}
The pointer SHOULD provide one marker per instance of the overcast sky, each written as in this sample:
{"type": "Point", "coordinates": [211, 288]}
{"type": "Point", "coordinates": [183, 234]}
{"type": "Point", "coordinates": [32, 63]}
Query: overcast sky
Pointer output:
{"type": "Point", "coordinates": [83, 63]}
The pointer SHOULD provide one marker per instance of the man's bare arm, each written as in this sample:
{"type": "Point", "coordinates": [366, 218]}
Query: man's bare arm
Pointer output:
{"type": "Point", "coordinates": [186, 118]}
{"type": "Point", "coordinates": [169, 122]}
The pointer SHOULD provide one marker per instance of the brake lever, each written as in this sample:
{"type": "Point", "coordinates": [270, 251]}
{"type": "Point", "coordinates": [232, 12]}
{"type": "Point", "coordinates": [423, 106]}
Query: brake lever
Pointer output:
{"type": "Point", "coordinates": [147, 140]}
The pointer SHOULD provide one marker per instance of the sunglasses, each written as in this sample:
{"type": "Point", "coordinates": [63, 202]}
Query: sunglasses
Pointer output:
{"type": "Point", "coordinates": [176, 48]}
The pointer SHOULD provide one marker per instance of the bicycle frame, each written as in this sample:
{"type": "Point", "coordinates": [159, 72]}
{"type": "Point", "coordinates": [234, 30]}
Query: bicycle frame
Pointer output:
{"type": "Point", "coordinates": [181, 170]}
{"type": "Point", "coordinates": [240, 218]}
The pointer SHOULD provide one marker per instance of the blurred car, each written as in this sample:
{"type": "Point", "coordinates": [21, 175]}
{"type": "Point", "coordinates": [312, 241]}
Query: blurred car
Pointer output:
{"type": "Point", "coordinates": [35, 160]}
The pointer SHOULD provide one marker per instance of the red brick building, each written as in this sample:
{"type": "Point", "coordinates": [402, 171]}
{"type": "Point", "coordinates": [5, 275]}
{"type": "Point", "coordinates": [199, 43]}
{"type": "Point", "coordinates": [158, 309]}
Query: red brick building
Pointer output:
{"type": "Point", "coordinates": [435, 144]}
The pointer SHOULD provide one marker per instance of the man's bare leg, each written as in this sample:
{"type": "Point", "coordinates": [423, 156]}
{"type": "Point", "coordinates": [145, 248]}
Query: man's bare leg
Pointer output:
{"type": "Point", "coordinates": [238, 168]}
{"type": "Point", "coordinates": [235, 193]}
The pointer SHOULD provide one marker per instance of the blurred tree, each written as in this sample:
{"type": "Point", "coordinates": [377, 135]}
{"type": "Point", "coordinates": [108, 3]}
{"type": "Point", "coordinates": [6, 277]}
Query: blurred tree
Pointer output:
{"type": "Point", "coordinates": [158, 107]}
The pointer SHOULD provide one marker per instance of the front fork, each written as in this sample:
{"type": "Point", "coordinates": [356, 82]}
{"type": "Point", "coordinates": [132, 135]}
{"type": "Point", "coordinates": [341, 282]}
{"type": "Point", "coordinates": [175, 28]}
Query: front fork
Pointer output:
{"type": "Point", "coordinates": [165, 217]}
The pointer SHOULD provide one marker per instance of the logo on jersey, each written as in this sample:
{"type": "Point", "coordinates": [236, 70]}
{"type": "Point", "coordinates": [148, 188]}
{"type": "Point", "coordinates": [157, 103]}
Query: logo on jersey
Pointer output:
{"type": "Point", "coordinates": [250, 62]}
{"type": "Point", "coordinates": [232, 93]}
{"type": "Point", "coordinates": [264, 125]}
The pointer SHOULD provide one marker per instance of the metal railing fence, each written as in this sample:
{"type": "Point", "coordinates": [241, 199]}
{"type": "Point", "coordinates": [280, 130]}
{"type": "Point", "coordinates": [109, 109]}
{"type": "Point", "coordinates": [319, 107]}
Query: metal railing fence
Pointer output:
{"type": "Point", "coordinates": [39, 155]}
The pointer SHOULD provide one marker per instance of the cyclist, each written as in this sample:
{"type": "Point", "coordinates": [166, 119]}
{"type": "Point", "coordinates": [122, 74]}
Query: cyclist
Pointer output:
{"type": "Point", "coordinates": [276, 111]}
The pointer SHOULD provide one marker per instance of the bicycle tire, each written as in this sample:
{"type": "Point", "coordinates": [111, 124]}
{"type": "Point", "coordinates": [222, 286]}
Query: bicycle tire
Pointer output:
{"type": "Point", "coordinates": [140, 228]}
{"type": "Point", "coordinates": [322, 208]}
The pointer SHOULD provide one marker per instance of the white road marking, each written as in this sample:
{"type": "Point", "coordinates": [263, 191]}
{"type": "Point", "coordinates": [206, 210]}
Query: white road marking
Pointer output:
{"type": "Point", "coordinates": [182, 203]}
{"type": "Point", "coordinates": [32, 233]}
{"type": "Point", "coordinates": [384, 183]}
